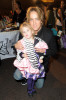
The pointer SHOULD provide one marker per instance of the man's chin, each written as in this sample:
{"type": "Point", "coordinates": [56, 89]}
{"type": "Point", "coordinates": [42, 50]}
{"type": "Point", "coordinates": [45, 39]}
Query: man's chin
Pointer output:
{"type": "Point", "coordinates": [35, 29]}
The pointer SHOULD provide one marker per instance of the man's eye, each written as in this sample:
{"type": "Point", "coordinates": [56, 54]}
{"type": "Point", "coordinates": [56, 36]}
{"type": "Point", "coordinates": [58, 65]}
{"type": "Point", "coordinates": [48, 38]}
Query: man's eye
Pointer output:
{"type": "Point", "coordinates": [30, 19]}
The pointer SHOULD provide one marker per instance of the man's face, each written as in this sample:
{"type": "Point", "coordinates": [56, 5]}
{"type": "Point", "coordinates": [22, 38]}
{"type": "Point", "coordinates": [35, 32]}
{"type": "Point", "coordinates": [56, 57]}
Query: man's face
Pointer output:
{"type": "Point", "coordinates": [34, 21]}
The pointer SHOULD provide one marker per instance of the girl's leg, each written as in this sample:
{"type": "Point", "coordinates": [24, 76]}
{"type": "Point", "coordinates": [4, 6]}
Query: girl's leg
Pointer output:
{"type": "Point", "coordinates": [33, 83]}
{"type": "Point", "coordinates": [29, 86]}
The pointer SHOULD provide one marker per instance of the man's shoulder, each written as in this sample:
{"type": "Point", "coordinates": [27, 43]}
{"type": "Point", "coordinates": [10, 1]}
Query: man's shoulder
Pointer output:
{"type": "Point", "coordinates": [46, 31]}
{"type": "Point", "coordinates": [47, 35]}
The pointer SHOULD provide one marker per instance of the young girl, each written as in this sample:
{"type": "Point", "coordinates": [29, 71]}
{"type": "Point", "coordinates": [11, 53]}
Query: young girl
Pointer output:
{"type": "Point", "coordinates": [28, 61]}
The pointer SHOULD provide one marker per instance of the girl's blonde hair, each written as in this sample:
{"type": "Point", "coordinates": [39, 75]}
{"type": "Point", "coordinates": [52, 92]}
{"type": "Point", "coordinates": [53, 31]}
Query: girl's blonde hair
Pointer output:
{"type": "Point", "coordinates": [38, 10]}
{"type": "Point", "coordinates": [26, 24]}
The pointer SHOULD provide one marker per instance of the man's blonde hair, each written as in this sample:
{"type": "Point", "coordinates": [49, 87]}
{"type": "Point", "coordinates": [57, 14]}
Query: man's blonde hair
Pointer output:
{"type": "Point", "coordinates": [26, 24]}
{"type": "Point", "coordinates": [38, 11]}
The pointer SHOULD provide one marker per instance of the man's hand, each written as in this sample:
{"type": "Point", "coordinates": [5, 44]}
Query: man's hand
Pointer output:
{"type": "Point", "coordinates": [24, 55]}
{"type": "Point", "coordinates": [40, 50]}
{"type": "Point", "coordinates": [41, 60]}
{"type": "Point", "coordinates": [19, 46]}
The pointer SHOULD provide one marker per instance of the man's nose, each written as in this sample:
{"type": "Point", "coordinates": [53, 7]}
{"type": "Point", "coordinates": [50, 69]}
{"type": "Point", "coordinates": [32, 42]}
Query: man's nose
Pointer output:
{"type": "Point", "coordinates": [34, 21]}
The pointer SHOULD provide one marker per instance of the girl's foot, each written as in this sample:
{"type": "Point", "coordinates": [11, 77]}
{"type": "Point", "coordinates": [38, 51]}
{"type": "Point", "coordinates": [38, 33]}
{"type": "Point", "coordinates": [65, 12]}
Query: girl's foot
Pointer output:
{"type": "Point", "coordinates": [34, 91]}
{"type": "Point", "coordinates": [30, 93]}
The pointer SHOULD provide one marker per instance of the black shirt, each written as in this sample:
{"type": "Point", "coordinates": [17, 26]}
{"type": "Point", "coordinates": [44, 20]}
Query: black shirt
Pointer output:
{"type": "Point", "coordinates": [19, 17]}
{"type": "Point", "coordinates": [47, 35]}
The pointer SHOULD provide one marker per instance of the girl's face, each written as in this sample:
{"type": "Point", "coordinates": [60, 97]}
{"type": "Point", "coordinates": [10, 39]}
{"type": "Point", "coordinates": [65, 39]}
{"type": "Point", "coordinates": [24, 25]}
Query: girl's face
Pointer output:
{"type": "Point", "coordinates": [27, 32]}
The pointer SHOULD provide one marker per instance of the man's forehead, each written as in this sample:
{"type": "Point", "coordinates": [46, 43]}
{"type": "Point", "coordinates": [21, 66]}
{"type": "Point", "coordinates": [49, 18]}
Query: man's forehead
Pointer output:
{"type": "Point", "coordinates": [34, 15]}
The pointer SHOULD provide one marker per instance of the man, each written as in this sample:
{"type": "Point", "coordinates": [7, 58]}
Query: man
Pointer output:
{"type": "Point", "coordinates": [35, 18]}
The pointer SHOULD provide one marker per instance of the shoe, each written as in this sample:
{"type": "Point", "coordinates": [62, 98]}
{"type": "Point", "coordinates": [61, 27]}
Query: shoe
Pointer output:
{"type": "Point", "coordinates": [24, 81]}
{"type": "Point", "coordinates": [30, 94]}
{"type": "Point", "coordinates": [34, 92]}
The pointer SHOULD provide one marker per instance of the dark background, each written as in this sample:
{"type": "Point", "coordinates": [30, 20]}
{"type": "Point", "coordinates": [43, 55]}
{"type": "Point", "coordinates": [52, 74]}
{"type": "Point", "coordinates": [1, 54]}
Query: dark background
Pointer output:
{"type": "Point", "coordinates": [6, 5]}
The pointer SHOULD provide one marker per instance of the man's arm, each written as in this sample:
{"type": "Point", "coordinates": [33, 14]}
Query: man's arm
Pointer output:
{"type": "Point", "coordinates": [19, 46]}
{"type": "Point", "coordinates": [52, 47]}
{"type": "Point", "coordinates": [51, 42]}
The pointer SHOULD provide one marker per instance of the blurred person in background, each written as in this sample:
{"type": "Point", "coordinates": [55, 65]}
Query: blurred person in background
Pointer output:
{"type": "Point", "coordinates": [59, 20]}
{"type": "Point", "coordinates": [19, 13]}
{"type": "Point", "coordinates": [50, 17]}
{"type": "Point", "coordinates": [62, 7]}
{"type": "Point", "coordinates": [60, 15]}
